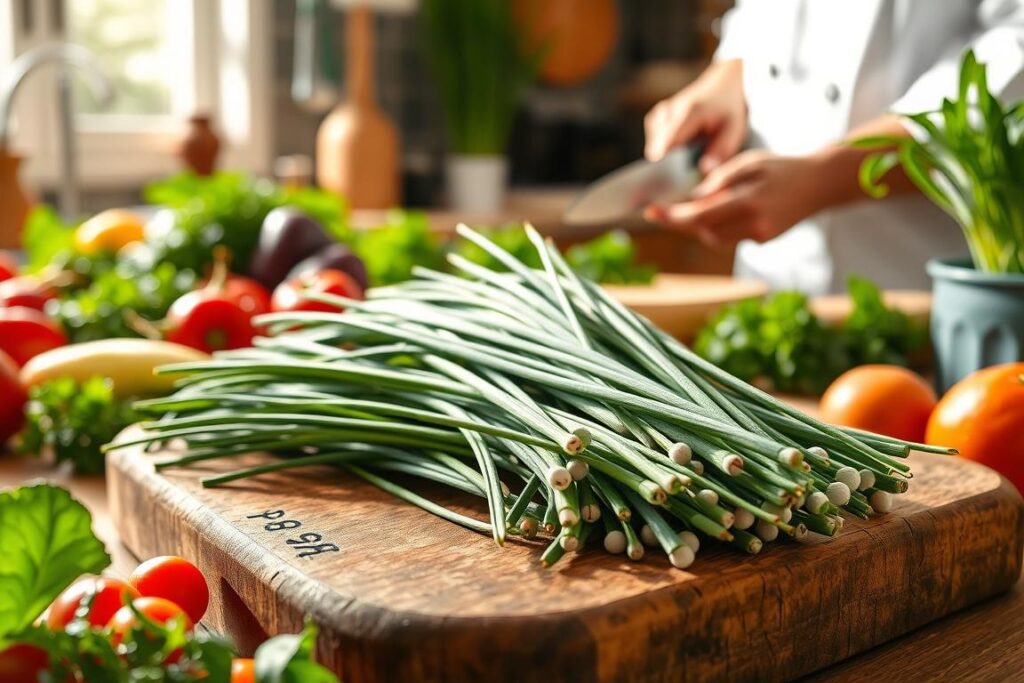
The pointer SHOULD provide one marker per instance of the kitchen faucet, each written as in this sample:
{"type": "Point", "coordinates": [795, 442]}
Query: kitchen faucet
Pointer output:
{"type": "Point", "coordinates": [64, 54]}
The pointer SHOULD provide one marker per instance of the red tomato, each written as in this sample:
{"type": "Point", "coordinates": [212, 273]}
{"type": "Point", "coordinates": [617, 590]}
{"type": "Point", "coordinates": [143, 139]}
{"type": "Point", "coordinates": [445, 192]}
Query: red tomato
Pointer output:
{"type": "Point", "coordinates": [22, 664]}
{"type": "Point", "coordinates": [290, 295]}
{"type": "Point", "coordinates": [157, 609]}
{"type": "Point", "coordinates": [12, 399]}
{"type": "Point", "coordinates": [981, 416]}
{"type": "Point", "coordinates": [205, 320]}
{"type": "Point", "coordinates": [26, 290]}
{"type": "Point", "coordinates": [26, 332]}
{"type": "Point", "coordinates": [243, 671]}
{"type": "Point", "coordinates": [109, 597]}
{"type": "Point", "coordinates": [8, 266]}
{"type": "Point", "coordinates": [251, 296]}
{"type": "Point", "coordinates": [175, 579]}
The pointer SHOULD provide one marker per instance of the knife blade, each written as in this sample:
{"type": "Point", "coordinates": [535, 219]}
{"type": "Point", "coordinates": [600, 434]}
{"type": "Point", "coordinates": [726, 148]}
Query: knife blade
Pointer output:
{"type": "Point", "coordinates": [623, 193]}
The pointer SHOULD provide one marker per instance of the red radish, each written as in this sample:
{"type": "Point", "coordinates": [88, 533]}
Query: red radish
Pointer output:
{"type": "Point", "coordinates": [12, 399]}
{"type": "Point", "coordinates": [8, 266]}
{"type": "Point", "coordinates": [26, 332]}
{"type": "Point", "coordinates": [291, 295]}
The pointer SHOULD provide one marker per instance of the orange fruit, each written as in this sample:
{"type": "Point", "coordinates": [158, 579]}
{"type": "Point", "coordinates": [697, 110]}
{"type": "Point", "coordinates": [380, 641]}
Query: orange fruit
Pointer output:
{"type": "Point", "coordinates": [982, 416]}
{"type": "Point", "coordinates": [885, 399]}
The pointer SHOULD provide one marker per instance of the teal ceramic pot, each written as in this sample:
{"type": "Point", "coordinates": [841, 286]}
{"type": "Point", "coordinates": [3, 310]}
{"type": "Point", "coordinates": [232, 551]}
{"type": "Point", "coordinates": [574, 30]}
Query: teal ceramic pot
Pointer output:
{"type": "Point", "coordinates": [977, 319]}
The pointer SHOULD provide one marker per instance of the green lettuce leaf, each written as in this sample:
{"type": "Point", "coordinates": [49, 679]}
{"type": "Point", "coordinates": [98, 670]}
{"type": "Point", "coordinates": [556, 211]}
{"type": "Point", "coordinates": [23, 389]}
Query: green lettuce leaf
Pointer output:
{"type": "Point", "coordinates": [46, 542]}
{"type": "Point", "coordinates": [289, 659]}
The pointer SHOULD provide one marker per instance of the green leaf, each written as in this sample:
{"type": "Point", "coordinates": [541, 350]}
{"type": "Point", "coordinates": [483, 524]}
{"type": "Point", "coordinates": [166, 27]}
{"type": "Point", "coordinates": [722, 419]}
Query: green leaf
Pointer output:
{"type": "Point", "coordinates": [289, 659]}
{"type": "Point", "coordinates": [46, 542]}
{"type": "Point", "coordinates": [73, 421]}
{"type": "Point", "coordinates": [45, 237]}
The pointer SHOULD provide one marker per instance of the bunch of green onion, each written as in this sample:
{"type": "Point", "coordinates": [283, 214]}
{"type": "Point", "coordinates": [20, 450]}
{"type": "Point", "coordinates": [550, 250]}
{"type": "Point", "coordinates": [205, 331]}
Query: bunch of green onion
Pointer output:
{"type": "Point", "coordinates": [533, 390]}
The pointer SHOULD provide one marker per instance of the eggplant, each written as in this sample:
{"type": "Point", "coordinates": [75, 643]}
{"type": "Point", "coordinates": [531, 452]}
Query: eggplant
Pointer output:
{"type": "Point", "coordinates": [287, 236]}
{"type": "Point", "coordinates": [333, 257]}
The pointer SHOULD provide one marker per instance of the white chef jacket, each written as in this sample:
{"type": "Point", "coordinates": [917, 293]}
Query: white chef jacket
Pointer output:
{"type": "Point", "coordinates": [815, 69]}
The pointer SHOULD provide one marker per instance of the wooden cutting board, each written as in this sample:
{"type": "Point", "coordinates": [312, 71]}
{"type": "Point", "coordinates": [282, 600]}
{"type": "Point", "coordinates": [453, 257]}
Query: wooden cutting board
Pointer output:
{"type": "Point", "coordinates": [402, 596]}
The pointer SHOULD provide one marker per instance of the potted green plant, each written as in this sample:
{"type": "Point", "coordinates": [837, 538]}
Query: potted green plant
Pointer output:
{"type": "Point", "coordinates": [482, 67]}
{"type": "Point", "coordinates": [968, 158]}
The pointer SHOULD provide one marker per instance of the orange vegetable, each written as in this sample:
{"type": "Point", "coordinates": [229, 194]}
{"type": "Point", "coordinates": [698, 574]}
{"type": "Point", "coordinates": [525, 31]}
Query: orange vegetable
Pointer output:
{"type": "Point", "coordinates": [885, 399]}
{"type": "Point", "coordinates": [982, 416]}
{"type": "Point", "coordinates": [243, 671]}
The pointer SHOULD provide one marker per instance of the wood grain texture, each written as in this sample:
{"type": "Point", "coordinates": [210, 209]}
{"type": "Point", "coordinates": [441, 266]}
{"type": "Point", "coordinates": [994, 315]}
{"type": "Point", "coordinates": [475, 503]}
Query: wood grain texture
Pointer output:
{"type": "Point", "coordinates": [409, 597]}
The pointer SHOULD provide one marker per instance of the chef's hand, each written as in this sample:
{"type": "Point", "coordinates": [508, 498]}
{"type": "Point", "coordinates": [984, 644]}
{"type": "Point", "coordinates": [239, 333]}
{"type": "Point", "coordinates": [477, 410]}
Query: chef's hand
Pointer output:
{"type": "Point", "coordinates": [713, 108]}
{"type": "Point", "coordinates": [755, 195]}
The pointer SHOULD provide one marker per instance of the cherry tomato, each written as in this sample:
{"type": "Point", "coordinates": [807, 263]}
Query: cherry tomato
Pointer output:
{"type": "Point", "coordinates": [26, 332]}
{"type": "Point", "coordinates": [243, 671]}
{"type": "Point", "coordinates": [156, 609]}
{"type": "Point", "coordinates": [8, 266]}
{"type": "Point", "coordinates": [290, 295]}
{"type": "Point", "coordinates": [175, 579]}
{"type": "Point", "coordinates": [26, 290]}
{"type": "Point", "coordinates": [207, 321]}
{"type": "Point", "coordinates": [109, 597]}
{"type": "Point", "coordinates": [12, 399]}
{"type": "Point", "coordinates": [22, 664]}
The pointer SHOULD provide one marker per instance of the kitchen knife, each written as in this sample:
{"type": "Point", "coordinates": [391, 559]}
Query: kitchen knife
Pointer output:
{"type": "Point", "coordinates": [624, 193]}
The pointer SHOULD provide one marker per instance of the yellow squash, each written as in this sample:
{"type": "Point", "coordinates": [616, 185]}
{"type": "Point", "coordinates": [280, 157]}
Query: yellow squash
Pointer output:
{"type": "Point", "coordinates": [129, 363]}
{"type": "Point", "coordinates": [109, 230]}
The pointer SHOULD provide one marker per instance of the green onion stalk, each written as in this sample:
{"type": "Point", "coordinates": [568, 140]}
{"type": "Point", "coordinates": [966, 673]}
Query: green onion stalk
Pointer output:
{"type": "Point", "coordinates": [565, 414]}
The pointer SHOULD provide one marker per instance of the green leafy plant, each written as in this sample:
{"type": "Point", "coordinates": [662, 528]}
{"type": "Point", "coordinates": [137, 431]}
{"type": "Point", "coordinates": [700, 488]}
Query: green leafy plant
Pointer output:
{"type": "Point", "coordinates": [47, 543]}
{"type": "Point", "coordinates": [482, 68]}
{"type": "Point", "coordinates": [779, 339]}
{"type": "Point", "coordinates": [74, 420]}
{"type": "Point", "coordinates": [968, 158]}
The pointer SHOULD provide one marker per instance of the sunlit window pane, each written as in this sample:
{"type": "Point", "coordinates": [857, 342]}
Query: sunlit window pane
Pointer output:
{"type": "Point", "coordinates": [131, 39]}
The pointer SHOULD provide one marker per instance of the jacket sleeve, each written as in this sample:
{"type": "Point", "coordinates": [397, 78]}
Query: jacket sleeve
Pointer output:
{"type": "Point", "coordinates": [733, 33]}
{"type": "Point", "coordinates": [998, 42]}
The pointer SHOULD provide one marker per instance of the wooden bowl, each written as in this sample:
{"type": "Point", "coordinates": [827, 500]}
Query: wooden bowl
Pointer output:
{"type": "Point", "coordinates": [834, 309]}
{"type": "Point", "coordinates": [681, 304]}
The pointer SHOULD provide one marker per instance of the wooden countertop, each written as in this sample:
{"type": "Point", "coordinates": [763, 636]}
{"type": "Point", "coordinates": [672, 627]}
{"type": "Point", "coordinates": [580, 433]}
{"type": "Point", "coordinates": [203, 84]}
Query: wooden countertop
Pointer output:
{"type": "Point", "coordinates": [981, 644]}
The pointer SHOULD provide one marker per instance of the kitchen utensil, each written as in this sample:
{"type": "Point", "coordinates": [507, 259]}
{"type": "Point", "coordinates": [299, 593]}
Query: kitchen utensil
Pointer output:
{"type": "Point", "coordinates": [400, 595]}
{"type": "Point", "coordinates": [623, 194]}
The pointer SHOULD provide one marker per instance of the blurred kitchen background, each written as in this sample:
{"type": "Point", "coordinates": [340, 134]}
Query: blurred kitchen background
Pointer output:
{"type": "Point", "coordinates": [238, 62]}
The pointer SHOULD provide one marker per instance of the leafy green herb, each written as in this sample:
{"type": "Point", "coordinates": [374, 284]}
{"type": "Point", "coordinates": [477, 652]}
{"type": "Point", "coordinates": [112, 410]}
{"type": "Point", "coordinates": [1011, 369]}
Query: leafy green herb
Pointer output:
{"type": "Point", "coordinates": [969, 160]}
{"type": "Point", "coordinates": [74, 420]}
{"type": "Point", "coordinates": [46, 237]}
{"type": "Point", "coordinates": [46, 542]}
{"type": "Point", "coordinates": [609, 259]}
{"type": "Point", "coordinates": [780, 340]}
{"type": "Point", "coordinates": [289, 659]}
{"type": "Point", "coordinates": [391, 250]}
{"type": "Point", "coordinates": [98, 310]}
{"type": "Point", "coordinates": [226, 208]}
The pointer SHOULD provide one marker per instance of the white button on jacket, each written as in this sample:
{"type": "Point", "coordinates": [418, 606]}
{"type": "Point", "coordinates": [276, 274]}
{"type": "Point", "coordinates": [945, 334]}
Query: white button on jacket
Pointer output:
{"type": "Point", "coordinates": [815, 69]}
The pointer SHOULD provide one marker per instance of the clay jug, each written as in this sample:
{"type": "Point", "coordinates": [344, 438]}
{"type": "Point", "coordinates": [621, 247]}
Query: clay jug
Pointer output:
{"type": "Point", "coordinates": [200, 145]}
{"type": "Point", "coordinates": [357, 145]}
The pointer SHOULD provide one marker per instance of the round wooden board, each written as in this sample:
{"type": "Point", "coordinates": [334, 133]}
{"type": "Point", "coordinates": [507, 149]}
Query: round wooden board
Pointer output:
{"type": "Point", "coordinates": [680, 303]}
